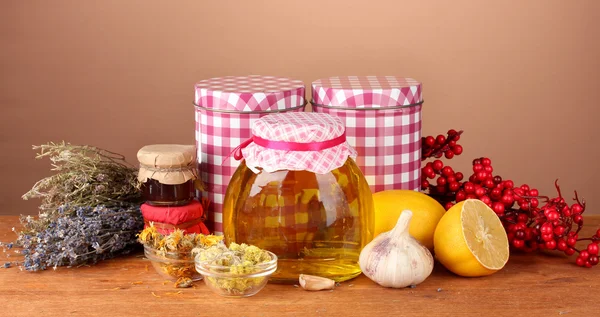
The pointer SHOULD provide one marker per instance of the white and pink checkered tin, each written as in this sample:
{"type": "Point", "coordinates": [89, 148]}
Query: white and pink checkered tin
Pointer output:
{"type": "Point", "coordinates": [226, 108]}
{"type": "Point", "coordinates": [382, 115]}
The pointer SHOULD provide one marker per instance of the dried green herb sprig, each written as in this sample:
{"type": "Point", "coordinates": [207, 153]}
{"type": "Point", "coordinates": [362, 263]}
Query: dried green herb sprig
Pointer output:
{"type": "Point", "coordinates": [86, 176]}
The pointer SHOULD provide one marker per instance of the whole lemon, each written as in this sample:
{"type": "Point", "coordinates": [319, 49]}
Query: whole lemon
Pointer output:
{"type": "Point", "coordinates": [427, 212]}
{"type": "Point", "coordinates": [470, 240]}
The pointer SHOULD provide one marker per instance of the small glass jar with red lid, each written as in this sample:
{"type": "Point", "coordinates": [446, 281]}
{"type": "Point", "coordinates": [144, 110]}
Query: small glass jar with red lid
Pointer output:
{"type": "Point", "coordinates": [167, 174]}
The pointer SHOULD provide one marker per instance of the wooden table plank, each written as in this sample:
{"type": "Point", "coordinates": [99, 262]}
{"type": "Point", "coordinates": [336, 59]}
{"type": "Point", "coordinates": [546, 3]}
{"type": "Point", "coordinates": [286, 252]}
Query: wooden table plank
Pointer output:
{"type": "Point", "coordinates": [533, 285]}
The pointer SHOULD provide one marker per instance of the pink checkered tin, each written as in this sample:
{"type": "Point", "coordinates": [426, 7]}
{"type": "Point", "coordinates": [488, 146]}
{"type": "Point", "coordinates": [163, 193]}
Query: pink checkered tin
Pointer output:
{"type": "Point", "coordinates": [226, 108]}
{"type": "Point", "coordinates": [382, 115]}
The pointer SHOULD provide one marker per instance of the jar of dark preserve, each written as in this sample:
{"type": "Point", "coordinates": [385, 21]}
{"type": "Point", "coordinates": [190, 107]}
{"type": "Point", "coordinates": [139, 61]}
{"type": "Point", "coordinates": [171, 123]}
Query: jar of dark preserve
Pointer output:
{"type": "Point", "coordinates": [167, 174]}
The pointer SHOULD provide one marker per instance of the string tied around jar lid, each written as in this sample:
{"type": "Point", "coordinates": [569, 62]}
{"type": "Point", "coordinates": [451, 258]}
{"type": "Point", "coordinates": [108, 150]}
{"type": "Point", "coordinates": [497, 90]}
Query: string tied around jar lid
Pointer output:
{"type": "Point", "coordinates": [286, 146]}
{"type": "Point", "coordinates": [152, 168]}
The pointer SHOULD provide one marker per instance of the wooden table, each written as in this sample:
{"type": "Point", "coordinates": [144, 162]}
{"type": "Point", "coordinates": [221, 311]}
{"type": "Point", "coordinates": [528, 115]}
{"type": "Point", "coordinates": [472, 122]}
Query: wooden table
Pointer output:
{"type": "Point", "coordinates": [529, 285]}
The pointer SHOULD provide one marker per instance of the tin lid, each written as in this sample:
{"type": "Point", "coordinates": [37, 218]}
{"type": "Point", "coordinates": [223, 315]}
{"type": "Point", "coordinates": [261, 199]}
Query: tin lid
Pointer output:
{"type": "Point", "coordinates": [249, 93]}
{"type": "Point", "coordinates": [310, 141]}
{"type": "Point", "coordinates": [366, 92]}
{"type": "Point", "coordinates": [170, 164]}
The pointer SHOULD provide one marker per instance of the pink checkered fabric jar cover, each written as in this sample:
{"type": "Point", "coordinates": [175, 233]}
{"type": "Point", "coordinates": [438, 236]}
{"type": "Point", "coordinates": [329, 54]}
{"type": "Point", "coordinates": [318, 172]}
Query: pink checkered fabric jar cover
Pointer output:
{"type": "Point", "coordinates": [382, 115]}
{"type": "Point", "coordinates": [302, 138]}
{"type": "Point", "coordinates": [226, 109]}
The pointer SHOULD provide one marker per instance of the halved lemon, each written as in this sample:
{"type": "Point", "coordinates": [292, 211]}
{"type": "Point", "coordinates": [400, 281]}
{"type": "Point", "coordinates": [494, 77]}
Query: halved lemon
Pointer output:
{"type": "Point", "coordinates": [470, 240]}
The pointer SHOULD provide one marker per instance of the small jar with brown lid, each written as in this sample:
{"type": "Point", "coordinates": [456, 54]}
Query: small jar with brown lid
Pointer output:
{"type": "Point", "coordinates": [167, 174]}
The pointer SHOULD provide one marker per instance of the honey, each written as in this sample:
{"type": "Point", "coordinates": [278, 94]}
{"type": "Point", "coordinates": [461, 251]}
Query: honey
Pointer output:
{"type": "Point", "coordinates": [316, 224]}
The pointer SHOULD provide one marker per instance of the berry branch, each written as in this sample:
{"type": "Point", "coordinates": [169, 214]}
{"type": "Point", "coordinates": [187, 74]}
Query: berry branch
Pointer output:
{"type": "Point", "coordinates": [441, 145]}
{"type": "Point", "coordinates": [553, 226]}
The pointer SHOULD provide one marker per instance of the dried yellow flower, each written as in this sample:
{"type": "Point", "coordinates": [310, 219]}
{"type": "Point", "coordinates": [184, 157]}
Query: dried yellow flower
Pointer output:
{"type": "Point", "coordinates": [176, 251]}
{"type": "Point", "coordinates": [177, 241]}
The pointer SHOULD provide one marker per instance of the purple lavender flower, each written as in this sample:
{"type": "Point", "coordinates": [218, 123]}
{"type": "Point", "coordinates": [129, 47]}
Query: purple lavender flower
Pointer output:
{"type": "Point", "coordinates": [85, 236]}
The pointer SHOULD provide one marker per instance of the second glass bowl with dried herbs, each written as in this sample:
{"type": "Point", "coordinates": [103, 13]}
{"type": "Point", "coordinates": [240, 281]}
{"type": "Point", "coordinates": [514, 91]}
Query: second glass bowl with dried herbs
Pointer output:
{"type": "Point", "coordinates": [238, 271]}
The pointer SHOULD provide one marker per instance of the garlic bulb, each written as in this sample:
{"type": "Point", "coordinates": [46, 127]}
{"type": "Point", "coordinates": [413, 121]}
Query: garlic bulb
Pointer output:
{"type": "Point", "coordinates": [395, 259]}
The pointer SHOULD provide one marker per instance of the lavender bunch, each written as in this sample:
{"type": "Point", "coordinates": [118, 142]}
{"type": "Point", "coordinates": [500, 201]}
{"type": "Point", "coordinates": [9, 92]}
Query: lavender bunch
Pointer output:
{"type": "Point", "coordinates": [81, 235]}
{"type": "Point", "coordinates": [89, 209]}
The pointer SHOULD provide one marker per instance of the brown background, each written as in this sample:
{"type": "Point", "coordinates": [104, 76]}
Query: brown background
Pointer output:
{"type": "Point", "coordinates": [520, 77]}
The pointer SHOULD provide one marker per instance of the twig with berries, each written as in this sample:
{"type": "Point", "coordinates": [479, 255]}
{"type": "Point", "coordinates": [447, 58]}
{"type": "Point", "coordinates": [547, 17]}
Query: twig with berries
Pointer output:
{"type": "Point", "coordinates": [529, 226]}
{"type": "Point", "coordinates": [441, 145]}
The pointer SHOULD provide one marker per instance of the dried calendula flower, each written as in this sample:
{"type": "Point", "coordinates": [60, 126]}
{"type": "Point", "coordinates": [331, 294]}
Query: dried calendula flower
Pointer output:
{"type": "Point", "coordinates": [231, 269]}
{"type": "Point", "coordinates": [183, 282]}
{"type": "Point", "coordinates": [171, 255]}
{"type": "Point", "coordinates": [207, 240]}
{"type": "Point", "coordinates": [177, 241]}
{"type": "Point", "coordinates": [174, 241]}
{"type": "Point", "coordinates": [149, 236]}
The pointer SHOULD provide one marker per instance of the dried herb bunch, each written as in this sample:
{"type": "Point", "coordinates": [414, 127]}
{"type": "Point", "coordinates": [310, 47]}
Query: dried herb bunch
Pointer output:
{"type": "Point", "coordinates": [171, 255]}
{"type": "Point", "coordinates": [86, 176]}
{"type": "Point", "coordinates": [82, 235]}
{"type": "Point", "coordinates": [89, 210]}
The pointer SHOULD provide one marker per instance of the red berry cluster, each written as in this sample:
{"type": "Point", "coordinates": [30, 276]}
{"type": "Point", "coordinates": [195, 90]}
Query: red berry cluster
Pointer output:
{"type": "Point", "coordinates": [529, 226]}
{"type": "Point", "coordinates": [441, 145]}
{"type": "Point", "coordinates": [554, 226]}
{"type": "Point", "coordinates": [447, 182]}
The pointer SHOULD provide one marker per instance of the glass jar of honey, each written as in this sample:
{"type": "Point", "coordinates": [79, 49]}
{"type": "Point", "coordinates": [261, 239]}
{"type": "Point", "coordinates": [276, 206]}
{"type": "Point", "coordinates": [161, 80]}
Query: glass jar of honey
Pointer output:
{"type": "Point", "coordinates": [167, 174]}
{"type": "Point", "coordinates": [299, 194]}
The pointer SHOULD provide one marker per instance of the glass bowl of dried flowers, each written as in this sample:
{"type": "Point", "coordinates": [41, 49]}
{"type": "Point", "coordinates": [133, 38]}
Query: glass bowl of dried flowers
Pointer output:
{"type": "Point", "coordinates": [171, 255]}
{"type": "Point", "coordinates": [173, 266]}
{"type": "Point", "coordinates": [238, 271]}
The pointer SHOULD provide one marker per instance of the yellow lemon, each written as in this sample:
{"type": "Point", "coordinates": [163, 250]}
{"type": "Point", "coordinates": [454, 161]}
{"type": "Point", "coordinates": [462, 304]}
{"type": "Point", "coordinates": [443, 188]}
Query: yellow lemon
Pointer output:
{"type": "Point", "coordinates": [470, 240]}
{"type": "Point", "coordinates": [427, 212]}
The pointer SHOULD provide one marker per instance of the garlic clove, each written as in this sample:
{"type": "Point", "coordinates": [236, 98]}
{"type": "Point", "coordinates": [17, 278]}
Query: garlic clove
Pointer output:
{"type": "Point", "coordinates": [315, 283]}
